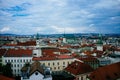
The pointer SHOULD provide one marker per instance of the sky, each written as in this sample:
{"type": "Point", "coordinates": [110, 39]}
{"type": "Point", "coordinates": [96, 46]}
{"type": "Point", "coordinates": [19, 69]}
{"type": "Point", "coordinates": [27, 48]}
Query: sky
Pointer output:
{"type": "Point", "coordinates": [59, 16]}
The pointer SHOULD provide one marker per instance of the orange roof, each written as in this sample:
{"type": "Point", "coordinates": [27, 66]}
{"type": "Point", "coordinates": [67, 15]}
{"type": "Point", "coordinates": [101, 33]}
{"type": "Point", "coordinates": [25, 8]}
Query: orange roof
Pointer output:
{"type": "Point", "coordinates": [43, 58]}
{"type": "Point", "coordinates": [52, 57]}
{"type": "Point", "coordinates": [109, 72]}
{"type": "Point", "coordinates": [11, 45]}
{"type": "Point", "coordinates": [28, 43]}
{"type": "Point", "coordinates": [77, 68]}
{"type": "Point", "coordinates": [5, 78]}
{"type": "Point", "coordinates": [63, 56]}
{"type": "Point", "coordinates": [88, 58]}
{"type": "Point", "coordinates": [18, 53]}
{"type": "Point", "coordinates": [64, 50]}
{"type": "Point", "coordinates": [50, 52]}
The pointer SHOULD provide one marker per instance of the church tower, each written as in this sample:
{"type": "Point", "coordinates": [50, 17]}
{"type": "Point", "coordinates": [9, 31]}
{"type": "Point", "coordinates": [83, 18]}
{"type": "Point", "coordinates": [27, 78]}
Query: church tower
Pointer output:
{"type": "Point", "coordinates": [99, 43]}
{"type": "Point", "coordinates": [37, 52]}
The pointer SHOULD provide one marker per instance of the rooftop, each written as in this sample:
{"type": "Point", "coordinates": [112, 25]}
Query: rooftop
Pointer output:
{"type": "Point", "coordinates": [77, 68]}
{"type": "Point", "coordinates": [109, 72]}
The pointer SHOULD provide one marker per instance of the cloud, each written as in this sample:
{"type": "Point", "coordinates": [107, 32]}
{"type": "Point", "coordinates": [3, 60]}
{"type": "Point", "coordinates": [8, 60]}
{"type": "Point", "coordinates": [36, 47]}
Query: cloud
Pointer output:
{"type": "Point", "coordinates": [5, 29]}
{"type": "Point", "coordinates": [53, 16]}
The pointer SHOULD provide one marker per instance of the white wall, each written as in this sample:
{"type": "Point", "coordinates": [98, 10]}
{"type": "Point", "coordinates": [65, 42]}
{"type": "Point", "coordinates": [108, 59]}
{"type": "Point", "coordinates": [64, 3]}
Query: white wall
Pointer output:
{"type": "Point", "coordinates": [17, 63]}
{"type": "Point", "coordinates": [36, 77]}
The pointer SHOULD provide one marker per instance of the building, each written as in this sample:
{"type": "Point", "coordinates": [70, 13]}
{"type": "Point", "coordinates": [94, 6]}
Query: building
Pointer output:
{"type": "Point", "coordinates": [79, 70]}
{"type": "Point", "coordinates": [92, 61]}
{"type": "Point", "coordinates": [55, 63]}
{"type": "Point", "coordinates": [104, 61]}
{"type": "Point", "coordinates": [18, 58]}
{"type": "Point", "coordinates": [109, 72]}
{"type": "Point", "coordinates": [36, 71]}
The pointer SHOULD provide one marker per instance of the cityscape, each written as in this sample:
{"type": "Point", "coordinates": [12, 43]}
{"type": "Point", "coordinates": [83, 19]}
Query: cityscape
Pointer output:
{"type": "Point", "coordinates": [59, 40]}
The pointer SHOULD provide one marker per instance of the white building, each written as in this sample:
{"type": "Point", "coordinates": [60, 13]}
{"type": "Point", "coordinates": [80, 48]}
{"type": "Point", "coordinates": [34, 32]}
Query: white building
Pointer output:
{"type": "Point", "coordinates": [18, 58]}
{"type": "Point", "coordinates": [36, 71]}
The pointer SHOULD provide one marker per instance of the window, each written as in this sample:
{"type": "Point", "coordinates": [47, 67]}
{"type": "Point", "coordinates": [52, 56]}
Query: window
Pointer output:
{"type": "Point", "coordinates": [14, 65]}
{"type": "Point", "coordinates": [43, 63]}
{"type": "Point", "coordinates": [14, 60]}
{"type": "Point", "coordinates": [58, 63]}
{"type": "Point", "coordinates": [6, 61]}
{"type": "Point", "coordinates": [48, 64]}
{"type": "Point", "coordinates": [53, 63]}
{"type": "Point", "coordinates": [17, 60]}
{"type": "Point", "coordinates": [11, 60]}
{"type": "Point", "coordinates": [18, 65]}
{"type": "Point", "coordinates": [20, 60]}
{"type": "Point", "coordinates": [54, 68]}
{"type": "Point", "coordinates": [36, 73]}
{"type": "Point", "coordinates": [23, 60]}
{"type": "Point", "coordinates": [63, 63]}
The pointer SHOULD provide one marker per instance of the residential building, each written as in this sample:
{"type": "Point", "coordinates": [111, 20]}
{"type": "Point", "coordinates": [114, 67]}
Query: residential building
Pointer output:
{"type": "Point", "coordinates": [36, 71]}
{"type": "Point", "coordinates": [18, 58]}
{"type": "Point", "coordinates": [79, 70]}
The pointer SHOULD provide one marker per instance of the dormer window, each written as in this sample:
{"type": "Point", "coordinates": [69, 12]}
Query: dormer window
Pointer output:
{"type": "Point", "coordinates": [34, 54]}
{"type": "Point", "coordinates": [36, 73]}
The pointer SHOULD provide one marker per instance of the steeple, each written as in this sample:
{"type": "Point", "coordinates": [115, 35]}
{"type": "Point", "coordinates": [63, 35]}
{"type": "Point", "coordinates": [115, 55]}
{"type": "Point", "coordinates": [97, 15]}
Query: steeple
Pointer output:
{"type": "Point", "coordinates": [37, 36]}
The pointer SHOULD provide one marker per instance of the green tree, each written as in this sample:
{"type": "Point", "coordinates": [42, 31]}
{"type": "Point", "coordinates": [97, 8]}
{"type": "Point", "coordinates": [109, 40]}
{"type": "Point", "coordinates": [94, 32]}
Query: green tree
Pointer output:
{"type": "Point", "coordinates": [7, 71]}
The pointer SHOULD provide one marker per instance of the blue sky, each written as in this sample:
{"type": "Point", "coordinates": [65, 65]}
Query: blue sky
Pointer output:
{"type": "Point", "coordinates": [57, 16]}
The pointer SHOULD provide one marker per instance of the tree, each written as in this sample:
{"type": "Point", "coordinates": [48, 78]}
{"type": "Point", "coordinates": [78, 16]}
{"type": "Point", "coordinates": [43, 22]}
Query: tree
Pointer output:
{"type": "Point", "coordinates": [7, 71]}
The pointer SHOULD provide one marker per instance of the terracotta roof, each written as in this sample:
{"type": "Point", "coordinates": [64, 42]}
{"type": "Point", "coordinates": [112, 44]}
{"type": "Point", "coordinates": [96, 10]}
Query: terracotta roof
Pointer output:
{"type": "Point", "coordinates": [5, 78]}
{"type": "Point", "coordinates": [28, 43]}
{"type": "Point", "coordinates": [77, 68]}
{"type": "Point", "coordinates": [88, 58]}
{"type": "Point", "coordinates": [64, 51]}
{"type": "Point", "coordinates": [109, 72]}
{"type": "Point", "coordinates": [88, 52]}
{"type": "Point", "coordinates": [43, 58]}
{"type": "Point", "coordinates": [63, 56]}
{"type": "Point", "coordinates": [108, 47]}
{"type": "Point", "coordinates": [11, 45]}
{"type": "Point", "coordinates": [36, 66]}
{"type": "Point", "coordinates": [18, 53]}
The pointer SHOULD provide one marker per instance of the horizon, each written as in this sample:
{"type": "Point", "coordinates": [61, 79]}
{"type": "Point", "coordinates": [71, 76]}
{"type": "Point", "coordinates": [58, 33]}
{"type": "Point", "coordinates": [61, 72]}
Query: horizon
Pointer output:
{"type": "Point", "coordinates": [26, 17]}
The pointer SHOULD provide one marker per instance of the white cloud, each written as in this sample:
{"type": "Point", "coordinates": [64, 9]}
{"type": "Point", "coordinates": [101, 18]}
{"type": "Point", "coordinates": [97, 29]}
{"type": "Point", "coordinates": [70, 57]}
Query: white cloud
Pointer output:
{"type": "Point", "coordinates": [5, 29]}
{"type": "Point", "coordinates": [107, 4]}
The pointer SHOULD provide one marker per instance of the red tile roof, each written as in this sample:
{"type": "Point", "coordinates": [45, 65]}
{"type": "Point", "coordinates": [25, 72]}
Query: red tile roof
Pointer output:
{"type": "Point", "coordinates": [77, 68]}
{"type": "Point", "coordinates": [28, 43]}
{"type": "Point", "coordinates": [50, 52]}
{"type": "Point", "coordinates": [11, 45]}
{"type": "Point", "coordinates": [109, 72]}
{"type": "Point", "coordinates": [5, 78]}
{"type": "Point", "coordinates": [43, 58]}
{"type": "Point", "coordinates": [63, 56]}
{"type": "Point", "coordinates": [64, 51]}
{"type": "Point", "coordinates": [88, 58]}
{"type": "Point", "coordinates": [19, 53]}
